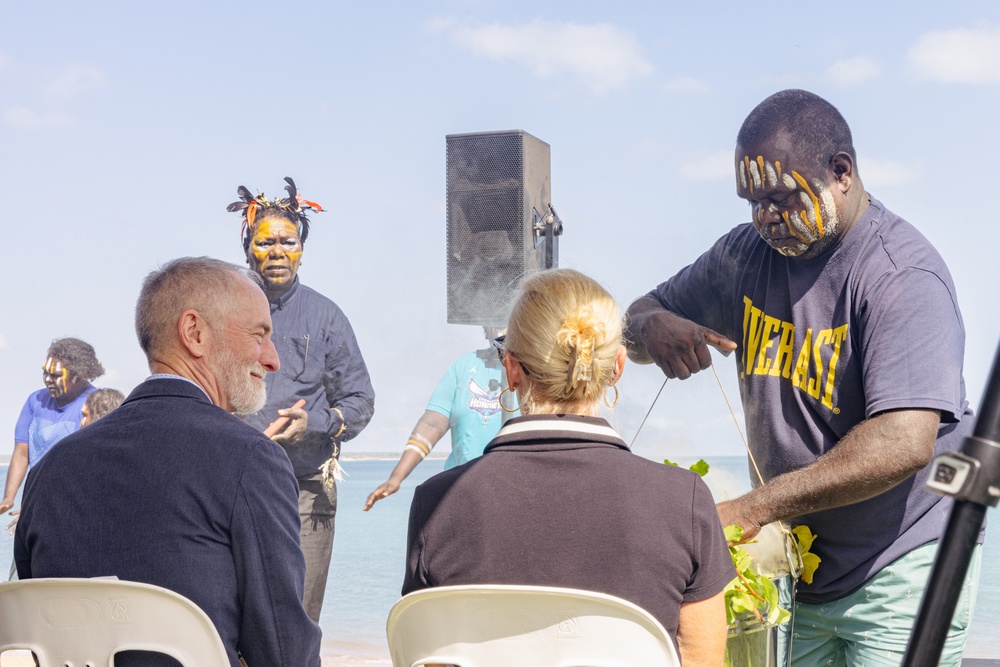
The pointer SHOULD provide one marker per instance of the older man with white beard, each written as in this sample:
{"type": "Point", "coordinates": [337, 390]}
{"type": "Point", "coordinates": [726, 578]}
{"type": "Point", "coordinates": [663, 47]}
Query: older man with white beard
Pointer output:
{"type": "Point", "coordinates": [171, 488]}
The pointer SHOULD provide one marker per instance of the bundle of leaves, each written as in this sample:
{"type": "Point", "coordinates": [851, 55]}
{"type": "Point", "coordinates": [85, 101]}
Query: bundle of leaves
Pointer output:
{"type": "Point", "coordinates": [751, 592]}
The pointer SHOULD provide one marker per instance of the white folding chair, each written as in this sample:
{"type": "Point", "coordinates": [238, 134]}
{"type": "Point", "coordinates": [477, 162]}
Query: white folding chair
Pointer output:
{"type": "Point", "coordinates": [84, 622]}
{"type": "Point", "coordinates": [527, 626]}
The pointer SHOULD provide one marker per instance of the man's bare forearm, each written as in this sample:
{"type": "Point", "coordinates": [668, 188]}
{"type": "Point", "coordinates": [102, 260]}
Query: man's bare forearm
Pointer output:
{"type": "Point", "coordinates": [872, 458]}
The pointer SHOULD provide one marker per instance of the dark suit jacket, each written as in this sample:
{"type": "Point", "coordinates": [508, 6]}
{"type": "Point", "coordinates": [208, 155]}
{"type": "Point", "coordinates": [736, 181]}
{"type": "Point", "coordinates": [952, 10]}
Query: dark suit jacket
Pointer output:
{"type": "Point", "coordinates": [171, 490]}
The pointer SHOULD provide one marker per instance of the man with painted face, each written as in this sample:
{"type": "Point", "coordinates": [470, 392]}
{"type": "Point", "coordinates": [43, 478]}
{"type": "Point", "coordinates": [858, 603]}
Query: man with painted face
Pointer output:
{"type": "Point", "coordinates": [322, 396]}
{"type": "Point", "coordinates": [52, 413]}
{"type": "Point", "coordinates": [849, 347]}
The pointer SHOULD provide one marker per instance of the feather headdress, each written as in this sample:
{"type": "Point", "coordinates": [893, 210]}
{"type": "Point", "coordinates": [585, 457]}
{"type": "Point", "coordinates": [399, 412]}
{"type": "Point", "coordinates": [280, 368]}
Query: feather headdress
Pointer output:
{"type": "Point", "coordinates": [250, 206]}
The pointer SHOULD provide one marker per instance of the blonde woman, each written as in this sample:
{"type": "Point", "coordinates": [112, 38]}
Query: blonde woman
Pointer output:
{"type": "Point", "coordinates": [558, 499]}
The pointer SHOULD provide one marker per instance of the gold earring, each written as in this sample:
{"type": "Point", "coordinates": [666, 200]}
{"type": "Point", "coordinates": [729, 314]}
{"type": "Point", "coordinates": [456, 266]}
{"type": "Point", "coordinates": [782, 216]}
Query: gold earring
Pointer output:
{"type": "Point", "coordinates": [610, 405]}
{"type": "Point", "coordinates": [500, 401]}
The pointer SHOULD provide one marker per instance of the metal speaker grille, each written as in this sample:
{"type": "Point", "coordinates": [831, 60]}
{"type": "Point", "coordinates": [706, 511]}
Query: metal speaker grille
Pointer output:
{"type": "Point", "coordinates": [489, 234]}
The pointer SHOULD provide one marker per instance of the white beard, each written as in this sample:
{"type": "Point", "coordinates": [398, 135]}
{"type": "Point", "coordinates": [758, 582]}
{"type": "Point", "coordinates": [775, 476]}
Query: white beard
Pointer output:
{"type": "Point", "coordinates": [246, 395]}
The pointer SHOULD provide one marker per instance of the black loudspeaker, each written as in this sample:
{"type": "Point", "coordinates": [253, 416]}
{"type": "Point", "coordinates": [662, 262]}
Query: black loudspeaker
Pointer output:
{"type": "Point", "coordinates": [501, 226]}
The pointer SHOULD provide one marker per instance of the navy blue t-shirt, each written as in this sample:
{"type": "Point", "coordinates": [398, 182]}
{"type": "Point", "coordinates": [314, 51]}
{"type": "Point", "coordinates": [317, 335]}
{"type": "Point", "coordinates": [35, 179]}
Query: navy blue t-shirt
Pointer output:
{"type": "Point", "coordinates": [872, 325]}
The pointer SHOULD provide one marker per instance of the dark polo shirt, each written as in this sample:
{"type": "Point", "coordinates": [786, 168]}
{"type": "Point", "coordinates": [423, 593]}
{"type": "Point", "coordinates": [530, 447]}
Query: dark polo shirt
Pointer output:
{"type": "Point", "coordinates": [559, 500]}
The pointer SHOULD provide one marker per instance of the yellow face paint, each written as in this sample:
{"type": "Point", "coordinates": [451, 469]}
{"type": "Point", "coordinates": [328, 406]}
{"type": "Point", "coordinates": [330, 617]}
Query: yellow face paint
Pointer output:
{"type": "Point", "coordinates": [791, 211]}
{"type": "Point", "coordinates": [275, 252]}
{"type": "Point", "coordinates": [818, 215]}
{"type": "Point", "coordinates": [56, 377]}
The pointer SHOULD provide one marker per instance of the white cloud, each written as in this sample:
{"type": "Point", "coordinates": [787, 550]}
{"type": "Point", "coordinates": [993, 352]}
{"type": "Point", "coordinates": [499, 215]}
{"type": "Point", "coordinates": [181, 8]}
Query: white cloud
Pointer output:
{"type": "Point", "coordinates": [853, 71]}
{"type": "Point", "coordinates": [32, 120]}
{"type": "Point", "coordinates": [957, 56]}
{"type": "Point", "coordinates": [4, 343]}
{"type": "Point", "coordinates": [878, 173]}
{"type": "Point", "coordinates": [714, 166]}
{"type": "Point", "coordinates": [74, 80]}
{"type": "Point", "coordinates": [685, 85]}
{"type": "Point", "coordinates": [603, 57]}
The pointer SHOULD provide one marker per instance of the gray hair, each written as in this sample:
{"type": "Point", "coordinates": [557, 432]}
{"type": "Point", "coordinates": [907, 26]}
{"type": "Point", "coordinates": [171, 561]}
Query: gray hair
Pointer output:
{"type": "Point", "coordinates": [202, 283]}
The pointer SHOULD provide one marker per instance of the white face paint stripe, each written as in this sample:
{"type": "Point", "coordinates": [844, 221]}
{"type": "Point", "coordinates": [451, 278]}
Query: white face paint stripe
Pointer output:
{"type": "Point", "coordinates": [807, 203]}
{"type": "Point", "coordinates": [813, 205]}
{"type": "Point", "coordinates": [829, 206]}
{"type": "Point", "coordinates": [789, 251]}
{"type": "Point", "coordinates": [755, 175]}
{"type": "Point", "coordinates": [800, 228]}
{"type": "Point", "coordinates": [772, 177]}
{"type": "Point", "coordinates": [788, 181]}
{"type": "Point", "coordinates": [741, 171]}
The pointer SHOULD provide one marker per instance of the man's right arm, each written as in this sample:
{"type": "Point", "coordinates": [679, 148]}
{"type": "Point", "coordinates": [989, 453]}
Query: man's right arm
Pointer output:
{"type": "Point", "coordinates": [677, 345]}
{"type": "Point", "coordinates": [873, 457]}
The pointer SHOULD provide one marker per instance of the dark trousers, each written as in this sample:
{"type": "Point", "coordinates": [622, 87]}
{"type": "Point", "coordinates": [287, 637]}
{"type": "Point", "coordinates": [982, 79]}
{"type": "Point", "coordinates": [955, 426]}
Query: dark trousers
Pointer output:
{"type": "Point", "coordinates": [317, 509]}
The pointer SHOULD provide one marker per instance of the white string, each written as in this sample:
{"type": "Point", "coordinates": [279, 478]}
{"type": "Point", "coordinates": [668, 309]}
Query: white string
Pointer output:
{"type": "Point", "coordinates": [738, 428]}
{"type": "Point", "coordinates": [795, 569]}
{"type": "Point", "coordinates": [647, 413]}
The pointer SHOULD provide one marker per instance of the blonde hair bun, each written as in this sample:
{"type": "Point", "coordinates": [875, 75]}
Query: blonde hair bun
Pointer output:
{"type": "Point", "coordinates": [565, 330]}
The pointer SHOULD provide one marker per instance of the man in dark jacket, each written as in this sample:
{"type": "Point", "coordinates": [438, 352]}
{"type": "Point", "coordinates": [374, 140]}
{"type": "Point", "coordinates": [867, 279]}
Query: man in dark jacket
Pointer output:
{"type": "Point", "coordinates": [171, 489]}
{"type": "Point", "coordinates": [322, 389]}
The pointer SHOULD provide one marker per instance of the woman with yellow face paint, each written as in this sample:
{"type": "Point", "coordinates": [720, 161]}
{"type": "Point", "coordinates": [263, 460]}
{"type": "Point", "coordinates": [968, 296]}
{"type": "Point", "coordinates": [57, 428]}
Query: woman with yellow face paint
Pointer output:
{"type": "Point", "coordinates": [52, 413]}
{"type": "Point", "coordinates": [322, 395]}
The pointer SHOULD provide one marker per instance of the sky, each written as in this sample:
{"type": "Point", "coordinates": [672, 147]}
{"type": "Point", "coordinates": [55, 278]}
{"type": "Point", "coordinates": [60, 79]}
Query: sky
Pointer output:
{"type": "Point", "coordinates": [126, 127]}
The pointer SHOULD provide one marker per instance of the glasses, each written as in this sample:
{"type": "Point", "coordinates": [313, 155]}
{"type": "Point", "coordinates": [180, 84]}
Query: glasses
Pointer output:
{"type": "Point", "coordinates": [498, 344]}
{"type": "Point", "coordinates": [501, 349]}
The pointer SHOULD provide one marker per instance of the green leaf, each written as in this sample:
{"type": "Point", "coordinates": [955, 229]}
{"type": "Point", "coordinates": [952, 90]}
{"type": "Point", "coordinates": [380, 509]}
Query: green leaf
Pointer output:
{"type": "Point", "coordinates": [670, 463]}
{"type": "Point", "coordinates": [804, 537]}
{"type": "Point", "coordinates": [803, 541]}
{"type": "Point", "coordinates": [778, 616]}
{"type": "Point", "coordinates": [741, 559]}
{"type": "Point", "coordinates": [809, 564]}
{"type": "Point", "coordinates": [733, 533]}
{"type": "Point", "coordinates": [701, 467]}
{"type": "Point", "coordinates": [741, 603]}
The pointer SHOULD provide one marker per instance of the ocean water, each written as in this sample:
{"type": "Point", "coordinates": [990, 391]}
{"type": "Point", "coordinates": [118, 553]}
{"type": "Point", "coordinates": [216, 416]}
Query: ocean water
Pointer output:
{"type": "Point", "coordinates": [369, 550]}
